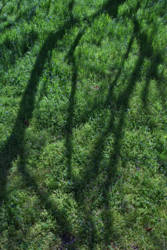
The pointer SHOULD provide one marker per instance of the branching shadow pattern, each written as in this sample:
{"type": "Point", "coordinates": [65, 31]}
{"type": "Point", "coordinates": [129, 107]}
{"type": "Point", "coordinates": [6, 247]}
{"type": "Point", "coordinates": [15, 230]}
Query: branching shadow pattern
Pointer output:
{"type": "Point", "coordinates": [14, 146]}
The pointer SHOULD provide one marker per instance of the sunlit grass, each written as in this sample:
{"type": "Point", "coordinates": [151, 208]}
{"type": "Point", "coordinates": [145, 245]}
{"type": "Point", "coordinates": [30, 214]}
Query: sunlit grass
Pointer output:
{"type": "Point", "coordinates": [83, 125]}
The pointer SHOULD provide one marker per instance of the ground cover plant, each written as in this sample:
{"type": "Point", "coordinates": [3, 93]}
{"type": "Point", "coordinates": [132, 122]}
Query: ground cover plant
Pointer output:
{"type": "Point", "coordinates": [83, 128]}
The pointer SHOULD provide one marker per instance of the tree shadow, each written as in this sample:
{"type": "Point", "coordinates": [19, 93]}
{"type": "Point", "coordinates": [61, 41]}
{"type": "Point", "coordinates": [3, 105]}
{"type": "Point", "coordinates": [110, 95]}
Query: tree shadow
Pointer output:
{"type": "Point", "coordinates": [145, 50]}
{"type": "Point", "coordinates": [64, 228]}
{"type": "Point", "coordinates": [161, 87]}
{"type": "Point", "coordinates": [3, 5]}
{"type": "Point", "coordinates": [96, 158]}
{"type": "Point", "coordinates": [110, 102]}
{"type": "Point", "coordinates": [18, 5]}
{"type": "Point", "coordinates": [112, 9]}
{"type": "Point", "coordinates": [121, 104]}
{"type": "Point", "coordinates": [159, 77]}
{"type": "Point", "coordinates": [109, 7]}
{"type": "Point", "coordinates": [117, 130]}
{"type": "Point", "coordinates": [107, 102]}
{"type": "Point", "coordinates": [110, 98]}
{"type": "Point", "coordinates": [49, 6]}
{"type": "Point", "coordinates": [14, 146]}
{"type": "Point", "coordinates": [10, 51]}
{"type": "Point", "coordinates": [152, 73]}
{"type": "Point", "coordinates": [69, 125]}
{"type": "Point", "coordinates": [26, 15]}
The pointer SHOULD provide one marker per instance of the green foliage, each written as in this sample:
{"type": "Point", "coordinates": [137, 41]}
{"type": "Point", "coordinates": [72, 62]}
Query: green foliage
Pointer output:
{"type": "Point", "coordinates": [83, 149]}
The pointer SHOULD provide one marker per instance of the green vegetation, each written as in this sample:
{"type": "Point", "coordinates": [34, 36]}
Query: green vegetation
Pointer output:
{"type": "Point", "coordinates": [83, 124]}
